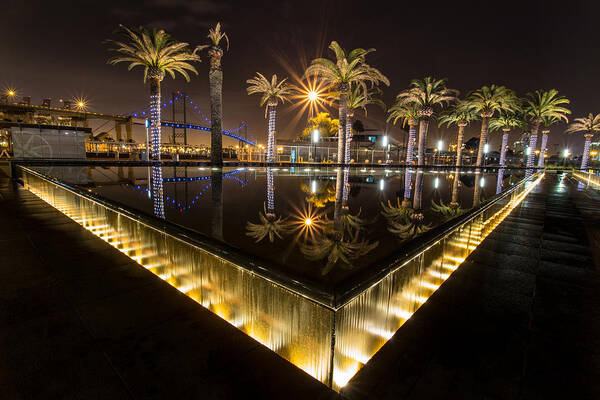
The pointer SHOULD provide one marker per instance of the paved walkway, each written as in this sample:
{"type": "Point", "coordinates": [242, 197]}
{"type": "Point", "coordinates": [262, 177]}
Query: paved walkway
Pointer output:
{"type": "Point", "coordinates": [79, 320]}
{"type": "Point", "coordinates": [520, 319]}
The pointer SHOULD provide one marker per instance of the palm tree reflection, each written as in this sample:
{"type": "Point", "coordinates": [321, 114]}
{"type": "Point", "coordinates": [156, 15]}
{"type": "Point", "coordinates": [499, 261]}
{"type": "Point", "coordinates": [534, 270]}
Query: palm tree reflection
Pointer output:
{"type": "Point", "coordinates": [453, 209]}
{"type": "Point", "coordinates": [270, 225]}
{"type": "Point", "coordinates": [341, 241]}
{"type": "Point", "coordinates": [157, 193]}
{"type": "Point", "coordinates": [403, 221]}
{"type": "Point", "coordinates": [217, 203]}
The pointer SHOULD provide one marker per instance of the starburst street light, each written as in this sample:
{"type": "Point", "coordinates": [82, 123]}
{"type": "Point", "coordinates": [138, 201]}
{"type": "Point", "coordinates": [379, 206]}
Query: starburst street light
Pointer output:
{"type": "Point", "coordinates": [309, 95]}
{"type": "Point", "coordinates": [81, 103]}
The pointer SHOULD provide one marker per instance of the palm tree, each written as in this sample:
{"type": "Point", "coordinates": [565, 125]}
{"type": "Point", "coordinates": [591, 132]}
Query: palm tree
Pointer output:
{"type": "Point", "coordinates": [158, 53]}
{"type": "Point", "coordinates": [357, 99]}
{"type": "Point", "coordinates": [486, 101]}
{"type": "Point", "coordinates": [409, 113]}
{"type": "Point", "coordinates": [547, 122]}
{"type": "Point", "coordinates": [427, 94]}
{"type": "Point", "coordinates": [215, 81]}
{"type": "Point", "coordinates": [590, 125]}
{"type": "Point", "coordinates": [272, 92]}
{"type": "Point", "coordinates": [540, 105]}
{"type": "Point", "coordinates": [348, 69]}
{"type": "Point", "coordinates": [505, 121]}
{"type": "Point", "coordinates": [461, 115]}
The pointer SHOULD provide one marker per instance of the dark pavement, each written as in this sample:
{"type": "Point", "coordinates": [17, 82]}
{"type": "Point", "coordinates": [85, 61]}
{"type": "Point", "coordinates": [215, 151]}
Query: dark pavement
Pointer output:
{"type": "Point", "coordinates": [520, 319]}
{"type": "Point", "coordinates": [80, 320]}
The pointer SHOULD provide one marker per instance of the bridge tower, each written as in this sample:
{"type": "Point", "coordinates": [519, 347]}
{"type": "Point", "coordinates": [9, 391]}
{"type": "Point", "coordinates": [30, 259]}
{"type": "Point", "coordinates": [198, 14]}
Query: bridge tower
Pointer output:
{"type": "Point", "coordinates": [179, 103]}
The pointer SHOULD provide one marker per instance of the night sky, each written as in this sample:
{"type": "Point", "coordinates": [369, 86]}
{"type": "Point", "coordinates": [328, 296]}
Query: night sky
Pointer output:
{"type": "Point", "coordinates": [54, 49]}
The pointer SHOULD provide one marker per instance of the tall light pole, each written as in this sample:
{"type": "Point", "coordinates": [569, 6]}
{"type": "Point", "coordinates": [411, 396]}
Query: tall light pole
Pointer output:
{"type": "Point", "coordinates": [486, 148]}
{"type": "Point", "coordinates": [315, 140]}
{"type": "Point", "coordinates": [440, 146]}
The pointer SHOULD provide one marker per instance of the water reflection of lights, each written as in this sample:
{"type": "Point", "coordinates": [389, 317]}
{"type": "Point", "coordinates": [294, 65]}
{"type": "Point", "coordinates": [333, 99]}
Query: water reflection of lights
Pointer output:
{"type": "Point", "coordinates": [352, 350]}
{"type": "Point", "coordinates": [308, 221]}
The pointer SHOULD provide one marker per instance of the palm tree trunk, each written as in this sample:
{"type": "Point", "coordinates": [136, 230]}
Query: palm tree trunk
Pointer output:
{"type": "Point", "coordinates": [499, 181]}
{"type": "Point", "coordinates": [407, 182]}
{"type": "Point", "coordinates": [503, 149]}
{"type": "Point", "coordinates": [485, 128]}
{"type": "Point", "coordinates": [543, 149]}
{"type": "Point", "coordinates": [423, 126]}
{"type": "Point", "coordinates": [339, 194]}
{"type": "Point", "coordinates": [459, 141]}
{"type": "Point", "coordinates": [477, 189]}
{"type": "Point", "coordinates": [417, 201]}
{"type": "Point", "coordinates": [348, 137]}
{"type": "Point", "coordinates": [155, 131]}
{"type": "Point", "coordinates": [157, 193]}
{"type": "Point", "coordinates": [215, 80]}
{"type": "Point", "coordinates": [341, 132]}
{"type": "Point", "coordinates": [270, 193]}
{"type": "Point", "coordinates": [454, 201]}
{"type": "Point", "coordinates": [532, 146]}
{"type": "Point", "coordinates": [412, 130]}
{"type": "Point", "coordinates": [217, 204]}
{"type": "Point", "coordinates": [586, 151]}
{"type": "Point", "coordinates": [271, 135]}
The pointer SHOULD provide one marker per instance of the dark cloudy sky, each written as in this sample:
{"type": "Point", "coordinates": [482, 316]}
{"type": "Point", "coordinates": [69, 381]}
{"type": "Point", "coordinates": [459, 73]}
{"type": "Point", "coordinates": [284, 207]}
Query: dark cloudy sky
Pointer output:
{"type": "Point", "coordinates": [54, 49]}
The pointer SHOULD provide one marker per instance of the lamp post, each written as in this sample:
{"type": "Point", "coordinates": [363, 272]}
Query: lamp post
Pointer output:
{"type": "Point", "coordinates": [385, 142]}
{"type": "Point", "coordinates": [440, 146]}
{"type": "Point", "coordinates": [565, 155]}
{"type": "Point", "coordinates": [486, 148]}
{"type": "Point", "coordinates": [315, 140]}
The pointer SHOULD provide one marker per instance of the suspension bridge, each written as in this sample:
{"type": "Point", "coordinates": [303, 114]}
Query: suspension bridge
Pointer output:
{"type": "Point", "coordinates": [182, 104]}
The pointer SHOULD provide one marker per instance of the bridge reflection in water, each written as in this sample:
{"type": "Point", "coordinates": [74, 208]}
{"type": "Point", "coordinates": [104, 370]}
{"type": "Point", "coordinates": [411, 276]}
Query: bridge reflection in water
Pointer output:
{"type": "Point", "coordinates": [330, 341]}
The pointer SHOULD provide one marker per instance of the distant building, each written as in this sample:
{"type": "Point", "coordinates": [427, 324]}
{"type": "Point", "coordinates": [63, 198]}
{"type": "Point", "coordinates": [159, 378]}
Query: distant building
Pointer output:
{"type": "Point", "coordinates": [31, 141]}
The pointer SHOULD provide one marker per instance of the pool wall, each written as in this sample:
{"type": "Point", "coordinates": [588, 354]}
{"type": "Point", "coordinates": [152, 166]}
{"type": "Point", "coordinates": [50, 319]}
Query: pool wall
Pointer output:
{"type": "Point", "coordinates": [331, 343]}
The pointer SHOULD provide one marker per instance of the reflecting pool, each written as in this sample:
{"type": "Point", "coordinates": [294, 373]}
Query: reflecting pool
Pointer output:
{"type": "Point", "coordinates": [320, 265]}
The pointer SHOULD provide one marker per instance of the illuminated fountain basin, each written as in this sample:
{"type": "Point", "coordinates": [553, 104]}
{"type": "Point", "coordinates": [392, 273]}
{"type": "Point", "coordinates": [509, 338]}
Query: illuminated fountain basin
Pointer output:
{"type": "Point", "coordinates": [330, 336]}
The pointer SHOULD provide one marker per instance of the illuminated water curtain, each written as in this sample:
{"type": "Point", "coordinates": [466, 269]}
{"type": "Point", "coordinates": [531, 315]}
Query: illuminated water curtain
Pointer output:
{"type": "Point", "coordinates": [329, 340]}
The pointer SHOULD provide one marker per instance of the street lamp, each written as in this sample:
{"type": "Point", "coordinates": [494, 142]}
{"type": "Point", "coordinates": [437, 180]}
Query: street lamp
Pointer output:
{"type": "Point", "coordinates": [385, 142]}
{"type": "Point", "coordinates": [315, 140]}
{"type": "Point", "coordinates": [440, 146]}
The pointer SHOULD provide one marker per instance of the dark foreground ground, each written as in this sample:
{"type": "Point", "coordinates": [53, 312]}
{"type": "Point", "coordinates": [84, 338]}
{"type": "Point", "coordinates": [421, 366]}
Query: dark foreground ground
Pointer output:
{"type": "Point", "coordinates": [519, 320]}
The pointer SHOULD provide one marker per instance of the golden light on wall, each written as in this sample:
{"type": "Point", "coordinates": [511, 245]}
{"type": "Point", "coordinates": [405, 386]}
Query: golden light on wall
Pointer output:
{"type": "Point", "coordinates": [295, 326]}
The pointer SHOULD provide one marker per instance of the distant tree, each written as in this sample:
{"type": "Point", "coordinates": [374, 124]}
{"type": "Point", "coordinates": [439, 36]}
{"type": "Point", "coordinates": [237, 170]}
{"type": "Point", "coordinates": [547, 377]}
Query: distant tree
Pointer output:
{"type": "Point", "coordinates": [215, 84]}
{"type": "Point", "coordinates": [427, 95]}
{"type": "Point", "coordinates": [408, 113]}
{"type": "Point", "coordinates": [340, 75]}
{"type": "Point", "coordinates": [460, 115]}
{"type": "Point", "coordinates": [590, 125]}
{"type": "Point", "coordinates": [486, 101]}
{"type": "Point", "coordinates": [326, 126]}
{"type": "Point", "coordinates": [158, 53]}
{"type": "Point", "coordinates": [357, 126]}
{"type": "Point", "coordinates": [540, 105]}
{"type": "Point", "coordinates": [272, 92]}
{"type": "Point", "coordinates": [506, 122]}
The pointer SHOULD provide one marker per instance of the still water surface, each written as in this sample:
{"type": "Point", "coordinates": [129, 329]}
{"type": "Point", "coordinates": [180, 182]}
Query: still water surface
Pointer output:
{"type": "Point", "coordinates": [318, 225]}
